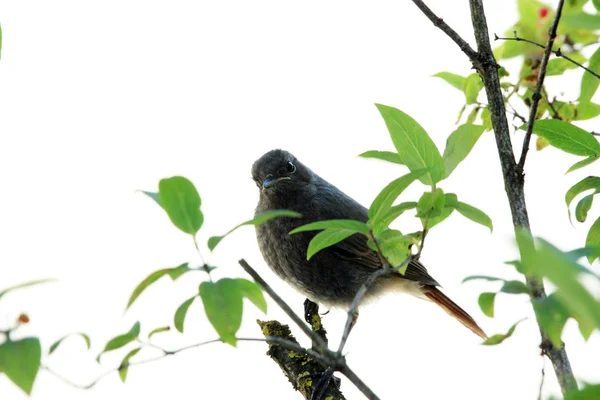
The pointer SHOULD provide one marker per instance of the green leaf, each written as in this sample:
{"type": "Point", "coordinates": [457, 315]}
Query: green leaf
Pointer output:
{"type": "Point", "coordinates": [349, 224]}
{"type": "Point", "coordinates": [258, 219]}
{"type": "Point", "coordinates": [20, 361]}
{"type": "Point", "coordinates": [486, 119]}
{"type": "Point", "coordinates": [549, 262]}
{"type": "Point", "coordinates": [124, 367]}
{"type": "Point", "coordinates": [472, 213]}
{"type": "Point", "coordinates": [414, 146]}
{"type": "Point", "coordinates": [55, 345]}
{"type": "Point", "coordinates": [593, 239]}
{"type": "Point", "coordinates": [252, 292]}
{"type": "Point", "coordinates": [587, 110]}
{"type": "Point", "coordinates": [558, 66]}
{"type": "Point", "coordinates": [327, 238]}
{"type": "Point", "coordinates": [567, 137]}
{"type": "Point", "coordinates": [391, 215]}
{"type": "Point", "coordinates": [24, 285]}
{"type": "Point", "coordinates": [181, 312]}
{"type": "Point", "coordinates": [180, 199]}
{"type": "Point", "coordinates": [481, 277]}
{"type": "Point", "coordinates": [515, 287]}
{"type": "Point", "coordinates": [499, 338]}
{"type": "Point", "coordinates": [587, 393]}
{"type": "Point", "coordinates": [159, 330]}
{"type": "Point", "coordinates": [583, 207]}
{"type": "Point", "coordinates": [597, 6]}
{"type": "Point", "coordinates": [384, 200]}
{"type": "Point", "coordinates": [486, 303]}
{"type": "Point", "coordinates": [472, 87]}
{"type": "Point", "coordinates": [583, 163]}
{"type": "Point", "coordinates": [589, 83]}
{"type": "Point", "coordinates": [582, 20]}
{"type": "Point", "coordinates": [455, 80]}
{"type": "Point", "coordinates": [383, 155]}
{"type": "Point", "coordinates": [154, 196]}
{"type": "Point", "coordinates": [143, 285]}
{"type": "Point", "coordinates": [223, 305]}
{"type": "Point", "coordinates": [552, 317]}
{"type": "Point", "coordinates": [395, 247]}
{"type": "Point", "coordinates": [588, 183]}
{"type": "Point", "coordinates": [176, 272]}
{"type": "Point", "coordinates": [431, 207]}
{"type": "Point", "coordinates": [121, 340]}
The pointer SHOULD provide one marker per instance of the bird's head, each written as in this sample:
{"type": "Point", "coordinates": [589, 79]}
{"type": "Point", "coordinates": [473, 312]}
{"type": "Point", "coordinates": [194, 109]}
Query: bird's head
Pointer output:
{"type": "Point", "coordinates": [278, 172]}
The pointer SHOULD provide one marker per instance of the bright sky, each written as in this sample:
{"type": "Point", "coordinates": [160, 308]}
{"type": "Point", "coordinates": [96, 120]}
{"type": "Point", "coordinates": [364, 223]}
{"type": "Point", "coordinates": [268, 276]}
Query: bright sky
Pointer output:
{"type": "Point", "coordinates": [100, 99]}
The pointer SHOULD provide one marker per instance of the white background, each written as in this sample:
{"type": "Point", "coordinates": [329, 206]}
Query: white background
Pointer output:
{"type": "Point", "coordinates": [100, 99]}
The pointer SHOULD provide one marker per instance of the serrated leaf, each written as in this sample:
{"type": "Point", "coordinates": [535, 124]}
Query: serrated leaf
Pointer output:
{"type": "Point", "coordinates": [252, 292]}
{"type": "Point", "coordinates": [119, 341]}
{"type": "Point", "coordinates": [582, 208]}
{"type": "Point", "coordinates": [392, 214]}
{"type": "Point", "coordinates": [455, 80]}
{"type": "Point", "coordinates": [472, 213]}
{"type": "Point", "coordinates": [349, 224]}
{"type": "Point", "coordinates": [499, 338]}
{"type": "Point", "coordinates": [223, 305]}
{"type": "Point", "coordinates": [159, 330]}
{"type": "Point", "coordinates": [384, 200]}
{"type": "Point", "coordinates": [180, 199]}
{"type": "Point", "coordinates": [143, 285]}
{"type": "Point", "coordinates": [55, 345]}
{"type": "Point", "coordinates": [258, 219]}
{"type": "Point", "coordinates": [181, 312]}
{"type": "Point", "coordinates": [583, 163]}
{"type": "Point", "coordinates": [593, 239]}
{"type": "Point", "coordinates": [567, 137]}
{"type": "Point", "coordinates": [325, 239]}
{"type": "Point", "coordinates": [472, 87]}
{"type": "Point", "coordinates": [383, 155]}
{"type": "Point", "coordinates": [124, 367]}
{"type": "Point", "coordinates": [20, 361]}
{"type": "Point", "coordinates": [486, 303]}
{"type": "Point", "coordinates": [24, 285]}
{"type": "Point", "coordinates": [414, 146]}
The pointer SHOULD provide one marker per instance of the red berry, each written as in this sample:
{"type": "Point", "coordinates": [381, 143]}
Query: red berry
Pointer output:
{"type": "Point", "coordinates": [543, 12]}
{"type": "Point", "coordinates": [23, 319]}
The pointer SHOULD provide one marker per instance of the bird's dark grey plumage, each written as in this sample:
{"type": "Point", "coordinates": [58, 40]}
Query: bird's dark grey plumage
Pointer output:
{"type": "Point", "coordinates": [334, 275]}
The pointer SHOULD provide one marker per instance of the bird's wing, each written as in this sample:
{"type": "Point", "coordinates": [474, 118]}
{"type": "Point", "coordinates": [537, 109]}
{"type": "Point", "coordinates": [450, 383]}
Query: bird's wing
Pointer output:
{"type": "Point", "coordinates": [356, 250]}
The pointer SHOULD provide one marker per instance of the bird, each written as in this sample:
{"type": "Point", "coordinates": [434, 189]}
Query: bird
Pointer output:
{"type": "Point", "coordinates": [333, 276]}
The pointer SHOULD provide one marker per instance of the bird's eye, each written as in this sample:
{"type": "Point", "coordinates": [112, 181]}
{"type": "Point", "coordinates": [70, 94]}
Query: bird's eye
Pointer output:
{"type": "Point", "coordinates": [290, 167]}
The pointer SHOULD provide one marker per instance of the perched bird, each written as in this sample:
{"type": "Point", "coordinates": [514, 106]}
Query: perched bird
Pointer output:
{"type": "Point", "coordinates": [333, 276]}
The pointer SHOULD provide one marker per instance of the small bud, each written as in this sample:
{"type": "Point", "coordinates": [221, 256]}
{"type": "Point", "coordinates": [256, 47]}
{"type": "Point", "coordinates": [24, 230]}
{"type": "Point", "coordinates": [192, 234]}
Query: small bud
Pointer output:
{"type": "Point", "coordinates": [543, 12]}
{"type": "Point", "coordinates": [23, 319]}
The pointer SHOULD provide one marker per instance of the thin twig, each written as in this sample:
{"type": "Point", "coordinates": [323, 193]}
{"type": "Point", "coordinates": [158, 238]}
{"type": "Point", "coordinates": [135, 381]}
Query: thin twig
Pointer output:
{"type": "Point", "coordinates": [166, 353]}
{"type": "Point", "coordinates": [540, 83]}
{"type": "Point", "coordinates": [318, 340]}
{"type": "Point", "coordinates": [438, 22]}
{"type": "Point", "coordinates": [543, 376]}
{"type": "Point", "coordinates": [557, 53]}
{"type": "Point", "coordinates": [386, 270]}
{"type": "Point", "coordinates": [358, 383]}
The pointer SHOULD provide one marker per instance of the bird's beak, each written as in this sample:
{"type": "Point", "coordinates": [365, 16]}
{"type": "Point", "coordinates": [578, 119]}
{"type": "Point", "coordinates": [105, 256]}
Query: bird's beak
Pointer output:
{"type": "Point", "coordinates": [270, 182]}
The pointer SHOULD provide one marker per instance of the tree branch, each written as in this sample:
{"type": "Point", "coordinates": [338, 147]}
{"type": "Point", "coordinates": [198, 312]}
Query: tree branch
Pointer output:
{"type": "Point", "coordinates": [557, 53]}
{"type": "Point", "coordinates": [485, 63]}
{"type": "Point", "coordinates": [537, 94]}
{"type": "Point", "coordinates": [439, 23]}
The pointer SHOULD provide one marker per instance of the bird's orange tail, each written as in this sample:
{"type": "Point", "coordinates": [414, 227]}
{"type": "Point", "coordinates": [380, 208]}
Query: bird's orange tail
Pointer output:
{"type": "Point", "coordinates": [453, 309]}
